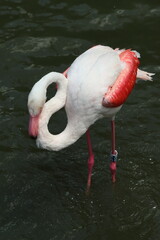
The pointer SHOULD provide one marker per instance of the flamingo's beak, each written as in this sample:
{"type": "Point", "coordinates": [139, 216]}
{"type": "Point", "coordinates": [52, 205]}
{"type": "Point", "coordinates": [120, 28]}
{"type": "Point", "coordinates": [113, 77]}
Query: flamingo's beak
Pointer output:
{"type": "Point", "coordinates": [33, 126]}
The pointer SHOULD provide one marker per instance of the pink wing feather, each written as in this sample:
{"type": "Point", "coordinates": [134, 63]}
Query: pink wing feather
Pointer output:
{"type": "Point", "coordinates": [118, 93]}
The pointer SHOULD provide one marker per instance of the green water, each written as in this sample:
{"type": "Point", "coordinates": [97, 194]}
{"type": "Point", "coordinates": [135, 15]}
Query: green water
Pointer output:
{"type": "Point", "coordinates": [42, 194]}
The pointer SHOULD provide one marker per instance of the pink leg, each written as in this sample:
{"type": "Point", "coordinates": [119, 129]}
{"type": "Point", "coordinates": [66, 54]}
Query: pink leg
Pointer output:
{"type": "Point", "coordinates": [90, 160]}
{"type": "Point", "coordinates": [114, 153]}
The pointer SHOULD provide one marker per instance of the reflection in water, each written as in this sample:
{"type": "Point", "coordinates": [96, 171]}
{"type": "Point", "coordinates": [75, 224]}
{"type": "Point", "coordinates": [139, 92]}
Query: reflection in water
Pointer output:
{"type": "Point", "coordinates": [43, 193]}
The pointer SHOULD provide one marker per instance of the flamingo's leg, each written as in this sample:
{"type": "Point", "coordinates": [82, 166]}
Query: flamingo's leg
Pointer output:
{"type": "Point", "coordinates": [114, 153]}
{"type": "Point", "coordinates": [90, 159]}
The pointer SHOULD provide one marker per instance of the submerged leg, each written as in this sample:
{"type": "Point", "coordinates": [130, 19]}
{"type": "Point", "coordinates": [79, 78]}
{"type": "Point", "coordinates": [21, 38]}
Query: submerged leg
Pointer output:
{"type": "Point", "coordinates": [114, 153]}
{"type": "Point", "coordinates": [90, 160]}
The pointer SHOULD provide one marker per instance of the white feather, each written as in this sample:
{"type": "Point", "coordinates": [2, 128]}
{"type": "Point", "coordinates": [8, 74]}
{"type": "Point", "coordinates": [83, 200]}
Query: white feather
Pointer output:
{"type": "Point", "coordinates": [89, 77]}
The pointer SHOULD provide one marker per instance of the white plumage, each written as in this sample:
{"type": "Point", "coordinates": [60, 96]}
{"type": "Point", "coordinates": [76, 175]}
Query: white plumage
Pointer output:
{"type": "Point", "coordinates": [88, 79]}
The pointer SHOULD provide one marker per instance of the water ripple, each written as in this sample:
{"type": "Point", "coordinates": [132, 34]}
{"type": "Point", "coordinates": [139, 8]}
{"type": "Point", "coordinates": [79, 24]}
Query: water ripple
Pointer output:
{"type": "Point", "coordinates": [43, 193]}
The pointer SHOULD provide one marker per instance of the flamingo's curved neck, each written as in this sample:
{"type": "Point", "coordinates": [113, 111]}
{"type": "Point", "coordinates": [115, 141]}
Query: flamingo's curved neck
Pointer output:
{"type": "Point", "coordinates": [71, 133]}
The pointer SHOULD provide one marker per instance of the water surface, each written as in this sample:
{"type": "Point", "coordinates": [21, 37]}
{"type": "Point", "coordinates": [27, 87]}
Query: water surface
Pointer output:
{"type": "Point", "coordinates": [42, 194]}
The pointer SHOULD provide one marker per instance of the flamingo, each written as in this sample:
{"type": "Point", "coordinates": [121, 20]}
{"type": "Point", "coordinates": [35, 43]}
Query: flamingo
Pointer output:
{"type": "Point", "coordinates": [96, 85]}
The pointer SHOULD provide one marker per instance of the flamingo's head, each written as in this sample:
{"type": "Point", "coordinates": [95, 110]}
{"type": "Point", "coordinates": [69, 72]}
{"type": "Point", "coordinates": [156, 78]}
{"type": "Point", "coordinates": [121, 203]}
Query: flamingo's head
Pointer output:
{"type": "Point", "coordinates": [36, 101]}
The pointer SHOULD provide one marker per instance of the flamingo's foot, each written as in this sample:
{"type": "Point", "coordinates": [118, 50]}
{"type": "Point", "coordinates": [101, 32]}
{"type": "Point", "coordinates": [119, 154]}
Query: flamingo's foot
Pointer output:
{"type": "Point", "coordinates": [113, 165]}
{"type": "Point", "coordinates": [90, 167]}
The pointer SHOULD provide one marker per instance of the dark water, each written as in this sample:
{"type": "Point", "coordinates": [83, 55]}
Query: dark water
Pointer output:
{"type": "Point", "coordinates": [42, 194]}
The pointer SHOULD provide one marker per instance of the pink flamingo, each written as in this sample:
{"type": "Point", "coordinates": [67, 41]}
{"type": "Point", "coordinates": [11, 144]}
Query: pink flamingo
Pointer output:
{"type": "Point", "coordinates": [95, 86]}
